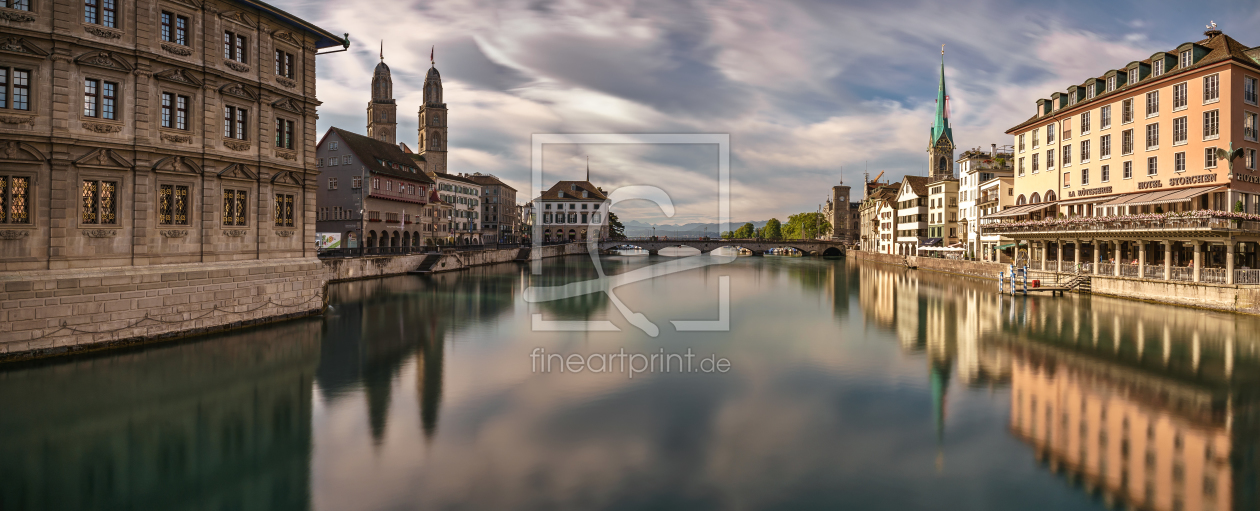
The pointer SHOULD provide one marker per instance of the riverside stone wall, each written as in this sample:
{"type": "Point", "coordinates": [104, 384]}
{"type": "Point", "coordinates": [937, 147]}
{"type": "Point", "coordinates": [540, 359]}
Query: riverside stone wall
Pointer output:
{"type": "Point", "coordinates": [1232, 298]}
{"type": "Point", "coordinates": [50, 312]}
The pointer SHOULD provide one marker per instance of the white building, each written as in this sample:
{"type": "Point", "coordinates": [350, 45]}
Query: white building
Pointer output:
{"type": "Point", "coordinates": [977, 167]}
{"type": "Point", "coordinates": [886, 212]}
{"type": "Point", "coordinates": [912, 214]}
{"type": "Point", "coordinates": [569, 209]}
{"type": "Point", "coordinates": [996, 195]}
{"type": "Point", "coordinates": [464, 195]}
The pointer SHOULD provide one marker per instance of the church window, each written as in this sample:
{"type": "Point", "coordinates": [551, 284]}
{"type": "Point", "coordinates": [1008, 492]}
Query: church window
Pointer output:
{"type": "Point", "coordinates": [941, 164]}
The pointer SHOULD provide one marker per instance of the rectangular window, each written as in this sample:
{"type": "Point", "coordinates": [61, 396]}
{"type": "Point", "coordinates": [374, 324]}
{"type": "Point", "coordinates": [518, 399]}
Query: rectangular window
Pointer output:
{"type": "Point", "coordinates": [181, 31]}
{"type": "Point", "coordinates": [168, 110]}
{"type": "Point", "coordinates": [235, 207]}
{"type": "Point", "coordinates": [1105, 173]}
{"type": "Point", "coordinates": [1180, 96]}
{"type": "Point", "coordinates": [1152, 136]}
{"type": "Point", "coordinates": [1249, 90]}
{"type": "Point", "coordinates": [1126, 111]}
{"type": "Point", "coordinates": [1111, 83]}
{"type": "Point", "coordinates": [284, 63]}
{"type": "Point", "coordinates": [1249, 126]}
{"type": "Point", "coordinates": [1090, 90]}
{"type": "Point", "coordinates": [1104, 147]}
{"type": "Point", "coordinates": [1067, 155]}
{"type": "Point", "coordinates": [1084, 151]}
{"type": "Point", "coordinates": [235, 47]}
{"type": "Point", "coordinates": [1209, 158]}
{"type": "Point", "coordinates": [345, 160]}
{"type": "Point", "coordinates": [1067, 179]}
{"type": "Point", "coordinates": [1050, 134]}
{"type": "Point", "coordinates": [1035, 163]}
{"type": "Point", "coordinates": [173, 205]}
{"type": "Point", "coordinates": [235, 123]}
{"type": "Point", "coordinates": [109, 100]}
{"type": "Point", "coordinates": [1021, 143]}
{"type": "Point", "coordinates": [1133, 76]}
{"type": "Point", "coordinates": [1021, 169]}
{"type": "Point", "coordinates": [357, 183]}
{"type": "Point", "coordinates": [1251, 160]}
{"type": "Point", "coordinates": [284, 210]}
{"type": "Point", "coordinates": [1157, 67]}
{"type": "Point", "coordinates": [15, 194]}
{"type": "Point", "coordinates": [284, 134]}
{"type": "Point", "coordinates": [1186, 59]}
{"type": "Point", "coordinates": [1126, 170]}
{"type": "Point", "coordinates": [99, 202]}
{"type": "Point", "coordinates": [1179, 162]}
{"type": "Point", "coordinates": [1211, 88]}
{"type": "Point", "coordinates": [1104, 117]}
{"type": "Point", "coordinates": [91, 96]}
{"type": "Point", "coordinates": [332, 183]}
{"type": "Point", "coordinates": [1126, 142]}
{"type": "Point", "coordinates": [1050, 159]}
{"type": "Point", "coordinates": [1085, 123]}
{"type": "Point", "coordinates": [168, 26]}
{"type": "Point", "coordinates": [1152, 166]}
{"type": "Point", "coordinates": [1180, 130]}
{"type": "Point", "coordinates": [1084, 177]}
{"type": "Point", "coordinates": [1067, 129]}
{"type": "Point", "coordinates": [1211, 124]}
{"type": "Point", "coordinates": [1034, 139]}
{"type": "Point", "coordinates": [1152, 103]}
{"type": "Point", "coordinates": [181, 112]}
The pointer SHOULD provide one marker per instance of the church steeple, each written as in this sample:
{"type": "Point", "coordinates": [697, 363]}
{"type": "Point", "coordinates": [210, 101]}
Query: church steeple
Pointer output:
{"type": "Point", "coordinates": [941, 137]}
{"type": "Point", "coordinates": [432, 134]}
{"type": "Point", "coordinates": [381, 110]}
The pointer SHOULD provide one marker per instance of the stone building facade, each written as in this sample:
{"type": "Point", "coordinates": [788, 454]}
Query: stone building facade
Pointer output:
{"type": "Point", "coordinates": [158, 132]}
{"type": "Point", "coordinates": [498, 209]}
{"type": "Point", "coordinates": [842, 214]}
{"type": "Point", "coordinates": [568, 209]}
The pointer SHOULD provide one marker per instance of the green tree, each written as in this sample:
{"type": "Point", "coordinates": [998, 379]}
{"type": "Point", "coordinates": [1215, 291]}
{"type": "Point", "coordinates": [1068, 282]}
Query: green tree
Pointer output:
{"type": "Point", "coordinates": [774, 229]}
{"type": "Point", "coordinates": [616, 230]}
{"type": "Point", "coordinates": [806, 226]}
{"type": "Point", "coordinates": [726, 235]}
{"type": "Point", "coordinates": [745, 231]}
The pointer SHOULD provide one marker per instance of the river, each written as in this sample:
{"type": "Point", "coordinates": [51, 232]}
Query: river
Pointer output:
{"type": "Point", "coordinates": [840, 384]}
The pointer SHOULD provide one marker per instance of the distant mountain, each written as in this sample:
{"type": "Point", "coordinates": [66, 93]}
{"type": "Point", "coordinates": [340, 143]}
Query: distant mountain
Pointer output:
{"type": "Point", "coordinates": [635, 228]}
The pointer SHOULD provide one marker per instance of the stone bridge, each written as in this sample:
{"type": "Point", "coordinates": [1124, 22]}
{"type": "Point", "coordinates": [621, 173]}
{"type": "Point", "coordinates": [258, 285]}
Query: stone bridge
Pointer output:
{"type": "Point", "coordinates": [757, 246]}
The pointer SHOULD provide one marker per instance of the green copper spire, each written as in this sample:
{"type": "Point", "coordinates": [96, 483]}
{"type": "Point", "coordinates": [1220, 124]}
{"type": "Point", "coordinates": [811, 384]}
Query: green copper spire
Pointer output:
{"type": "Point", "coordinates": [940, 126]}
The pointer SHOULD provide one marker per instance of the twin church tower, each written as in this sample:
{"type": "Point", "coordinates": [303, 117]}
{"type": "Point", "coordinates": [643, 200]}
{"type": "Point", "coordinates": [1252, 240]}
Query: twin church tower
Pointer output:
{"type": "Point", "coordinates": [382, 114]}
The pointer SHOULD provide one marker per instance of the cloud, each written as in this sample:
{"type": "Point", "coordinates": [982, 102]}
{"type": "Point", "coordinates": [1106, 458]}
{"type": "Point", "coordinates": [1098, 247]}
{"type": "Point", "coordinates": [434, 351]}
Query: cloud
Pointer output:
{"type": "Point", "coordinates": [803, 87]}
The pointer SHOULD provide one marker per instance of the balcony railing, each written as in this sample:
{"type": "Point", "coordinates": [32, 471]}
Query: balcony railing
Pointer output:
{"type": "Point", "coordinates": [1197, 220]}
{"type": "Point", "coordinates": [1106, 269]}
{"type": "Point", "coordinates": [1213, 275]}
{"type": "Point", "coordinates": [1247, 276]}
{"type": "Point", "coordinates": [1128, 270]}
{"type": "Point", "coordinates": [1183, 273]}
{"type": "Point", "coordinates": [1154, 271]}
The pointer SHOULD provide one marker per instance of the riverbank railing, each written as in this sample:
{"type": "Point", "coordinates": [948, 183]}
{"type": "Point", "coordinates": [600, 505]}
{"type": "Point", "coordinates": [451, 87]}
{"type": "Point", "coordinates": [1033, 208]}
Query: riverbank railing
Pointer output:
{"type": "Point", "coordinates": [1247, 276]}
{"type": "Point", "coordinates": [1106, 268]}
{"type": "Point", "coordinates": [1183, 273]}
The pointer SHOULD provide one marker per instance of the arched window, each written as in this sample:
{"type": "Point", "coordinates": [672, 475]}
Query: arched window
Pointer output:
{"type": "Point", "coordinates": [1050, 196]}
{"type": "Point", "coordinates": [1020, 201]}
{"type": "Point", "coordinates": [437, 142]}
{"type": "Point", "coordinates": [942, 164]}
{"type": "Point", "coordinates": [1034, 199]}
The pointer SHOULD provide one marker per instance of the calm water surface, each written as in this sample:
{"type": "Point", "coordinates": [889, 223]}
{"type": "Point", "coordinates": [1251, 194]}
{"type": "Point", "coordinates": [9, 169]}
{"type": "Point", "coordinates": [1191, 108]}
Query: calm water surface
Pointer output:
{"type": "Point", "coordinates": [852, 386]}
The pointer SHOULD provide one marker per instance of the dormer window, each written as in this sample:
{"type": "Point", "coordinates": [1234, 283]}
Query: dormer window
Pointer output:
{"type": "Point", "coordinates": [1111, 83]}
{"type": "Point", "coordinates": [1187, 58]}
{"type": "Point", "coordinates": [1133, 75]}
{"type": "Point", "coordinates": [585, 194]}
{"type": "Point", "coordinates": [1157, 67]}
{"type": "Point", "coordinates": [560, 194]}
{"type": "Point", "coordinates": [1089, 93]}
{"type": "Point", "coordinates": [573, 187]}
{"type": "Point", "coordinates": [1072, 98]}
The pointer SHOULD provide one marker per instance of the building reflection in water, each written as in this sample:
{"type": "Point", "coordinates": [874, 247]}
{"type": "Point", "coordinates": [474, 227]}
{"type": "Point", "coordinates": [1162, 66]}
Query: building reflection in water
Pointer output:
{"type": "Point", "coordinates": [1149, 407]}
{"type": "Point", "coordinates": [376, 326]}
{"type": "Point", "coordinates": [220, 423]}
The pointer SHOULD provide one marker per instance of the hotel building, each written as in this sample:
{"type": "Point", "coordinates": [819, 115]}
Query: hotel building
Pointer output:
{"type": "Point", "coordinates": [1102, 168]}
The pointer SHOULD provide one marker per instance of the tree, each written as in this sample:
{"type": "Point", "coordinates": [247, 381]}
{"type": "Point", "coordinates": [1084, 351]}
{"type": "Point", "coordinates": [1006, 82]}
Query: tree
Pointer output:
{"type": "Point", "coordinates": [806, 226]}
{"type": "Point", "coordinates": [616, 230]}
{"type": "Point", "coordinates": [745, 231]}
{"type": "Point", "coordinates": [773, 229]}
{"type": "Point", "coordinates": [726, 235]}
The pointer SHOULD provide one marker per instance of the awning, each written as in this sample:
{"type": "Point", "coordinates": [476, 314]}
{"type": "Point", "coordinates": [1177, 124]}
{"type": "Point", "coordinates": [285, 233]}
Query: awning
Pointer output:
{"type": "Point", "coordinates": [1021, 210]}
{"type": "Point", "coordinates": [1160, 197]}
{"type": "Point", "coordinates": [1006, 246]}
{"type": "Point", "coordinates": [1085, 200]}
{"type": "Point", "coordinates": [931, 242]}
{"type": "Point", "coordinates": [1176, 196]}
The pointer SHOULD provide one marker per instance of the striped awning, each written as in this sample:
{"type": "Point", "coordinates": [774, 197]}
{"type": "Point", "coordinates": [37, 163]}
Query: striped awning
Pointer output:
{"type": "Point", "coordinates": [1021, 210]}
{"type": "Point", "coordinates": [1160, 197]}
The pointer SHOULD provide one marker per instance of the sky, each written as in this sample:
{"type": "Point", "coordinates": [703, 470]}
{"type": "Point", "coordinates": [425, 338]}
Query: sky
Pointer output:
{"type": "Point", "coordinates": [811, 93]}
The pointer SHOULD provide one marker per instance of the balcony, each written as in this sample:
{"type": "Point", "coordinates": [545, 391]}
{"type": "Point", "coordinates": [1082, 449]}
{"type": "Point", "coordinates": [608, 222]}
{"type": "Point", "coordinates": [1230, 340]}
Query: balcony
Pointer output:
{"type": "Point", "coordinates": [1201, 220]}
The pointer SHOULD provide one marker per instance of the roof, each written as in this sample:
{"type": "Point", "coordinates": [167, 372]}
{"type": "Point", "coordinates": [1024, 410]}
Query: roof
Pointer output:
{"type": "Point", "coordinates": [1221, 48]}
{"type": "Point", "coordinates": [453, 177]}
{"type": "Point", "coordinates": [918, 184]}
{"type": "Point", "coordinates": [326, 38]}
{"type": "Point", "coordinates": [433, 74]}
{"type": "Point", "coordinates": [487, 179]}
{"type": "Point", "coordinates": [377, 155]}
{"type": "Point", "coordinates": [436, 200]}
{"type": "Point", "coordinates": [553, 193]}
{"type": "Point", "coordinates": [940, 125]}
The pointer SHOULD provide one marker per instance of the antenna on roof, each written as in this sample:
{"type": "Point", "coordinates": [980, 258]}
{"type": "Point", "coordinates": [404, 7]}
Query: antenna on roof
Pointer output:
{"type": "Point", "coordinates": [588, 168]}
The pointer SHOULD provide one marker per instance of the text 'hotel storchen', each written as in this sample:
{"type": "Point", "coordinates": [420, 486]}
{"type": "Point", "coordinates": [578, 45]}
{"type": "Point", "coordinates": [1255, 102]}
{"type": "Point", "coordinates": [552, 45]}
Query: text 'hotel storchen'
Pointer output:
{"type": "Point", "coordinates": [1146, 171]}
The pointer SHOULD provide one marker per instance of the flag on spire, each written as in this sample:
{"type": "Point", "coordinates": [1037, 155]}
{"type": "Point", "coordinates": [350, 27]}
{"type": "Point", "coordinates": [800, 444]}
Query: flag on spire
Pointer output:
{"type": "Point", "coordinates": [382, 50]}
{"type": "Point", "coordinates": [431, 61]}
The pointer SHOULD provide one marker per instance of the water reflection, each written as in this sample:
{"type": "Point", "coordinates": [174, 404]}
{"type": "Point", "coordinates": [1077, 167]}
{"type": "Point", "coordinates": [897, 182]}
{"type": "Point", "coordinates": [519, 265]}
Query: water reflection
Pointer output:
{"type": "Point", "coordinates": [216, 424]}
{"type": "Point", "coordinates": [853, 385]}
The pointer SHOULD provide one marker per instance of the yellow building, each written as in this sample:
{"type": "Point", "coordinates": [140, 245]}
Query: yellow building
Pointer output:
{"type": "Point", "coordinates": [1152, 164]}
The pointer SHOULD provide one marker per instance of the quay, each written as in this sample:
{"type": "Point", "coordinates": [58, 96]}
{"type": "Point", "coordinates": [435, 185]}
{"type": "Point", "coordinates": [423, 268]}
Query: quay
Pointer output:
{"type": "Point", "coordinates": [1242, 298]}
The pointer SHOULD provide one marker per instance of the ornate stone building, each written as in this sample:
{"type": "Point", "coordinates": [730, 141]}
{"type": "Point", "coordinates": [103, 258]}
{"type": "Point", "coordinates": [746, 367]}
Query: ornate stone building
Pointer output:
{"type": "Point", "coordinates": [382, 112]}
{"type": "Point", "coordinates": [941, 139]}
{"type": "Point", "coordinates": [432, 133]}
{"type": "Point", "coordinates": [156, 131]}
